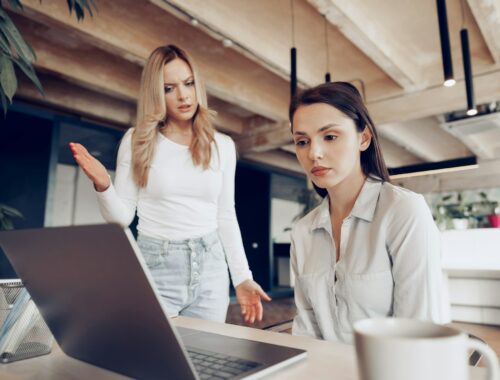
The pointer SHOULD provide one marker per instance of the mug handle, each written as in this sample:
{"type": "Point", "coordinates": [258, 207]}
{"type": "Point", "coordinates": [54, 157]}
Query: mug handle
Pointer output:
{"type": "Point", "coordinates": [489, 355]}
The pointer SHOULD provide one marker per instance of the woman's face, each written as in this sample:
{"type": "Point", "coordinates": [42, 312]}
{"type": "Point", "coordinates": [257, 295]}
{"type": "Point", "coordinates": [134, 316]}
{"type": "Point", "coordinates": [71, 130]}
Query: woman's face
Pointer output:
{"type": "Point", "coordinates": [180, 92]}
{"type": "Point", "coordinates": [328, 144]}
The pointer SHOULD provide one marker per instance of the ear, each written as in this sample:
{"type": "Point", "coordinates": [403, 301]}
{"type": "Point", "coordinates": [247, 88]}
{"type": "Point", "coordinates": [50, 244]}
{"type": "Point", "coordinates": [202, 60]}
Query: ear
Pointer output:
{"type": "Point", "coordinates": [366, 139]}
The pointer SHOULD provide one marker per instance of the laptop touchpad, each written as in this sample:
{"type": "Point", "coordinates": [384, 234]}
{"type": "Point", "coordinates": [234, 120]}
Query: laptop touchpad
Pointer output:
{"type": "Point", "coordinates": [183, 331]}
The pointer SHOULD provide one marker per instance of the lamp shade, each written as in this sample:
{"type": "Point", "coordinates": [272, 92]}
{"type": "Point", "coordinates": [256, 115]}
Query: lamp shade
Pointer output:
{"type": "Point", "coordinates": [469, 85]}
{"type": "Point", "coordinates": [445, 43]}
{"type": "Point", "coordinates": [293, 72]}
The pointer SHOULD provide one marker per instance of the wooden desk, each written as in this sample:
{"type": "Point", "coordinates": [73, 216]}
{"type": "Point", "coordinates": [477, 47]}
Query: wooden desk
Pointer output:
{"type": "Point", "coordinates": [325, 360]}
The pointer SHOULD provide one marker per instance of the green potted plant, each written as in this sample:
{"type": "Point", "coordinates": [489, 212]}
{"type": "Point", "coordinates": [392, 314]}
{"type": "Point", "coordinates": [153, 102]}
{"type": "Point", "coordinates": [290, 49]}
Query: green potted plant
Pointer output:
{"type": "Point", "coordinates": [458, 213]}
{"type": "Point", "coordinates": [7, 214]}
{"type": "Point", "coordinates": [492, 210]}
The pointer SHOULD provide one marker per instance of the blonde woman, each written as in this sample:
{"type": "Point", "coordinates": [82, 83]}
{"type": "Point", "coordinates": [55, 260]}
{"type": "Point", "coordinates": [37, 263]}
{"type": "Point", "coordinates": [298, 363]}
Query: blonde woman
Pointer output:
{"type": "Point", "coordinates": [178, 173]}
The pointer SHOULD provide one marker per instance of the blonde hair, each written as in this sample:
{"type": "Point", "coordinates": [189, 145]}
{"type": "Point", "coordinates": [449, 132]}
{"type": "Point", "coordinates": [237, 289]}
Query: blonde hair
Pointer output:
{"type": "Point", "coordinates": [152, 115]}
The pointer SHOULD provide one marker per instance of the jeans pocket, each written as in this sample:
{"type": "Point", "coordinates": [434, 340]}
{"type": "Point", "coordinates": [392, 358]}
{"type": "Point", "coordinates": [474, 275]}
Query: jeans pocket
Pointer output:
{"type": "Point", "coordinates": [152, 253]}
{"type": "Point", "coordinates": [217, 251]}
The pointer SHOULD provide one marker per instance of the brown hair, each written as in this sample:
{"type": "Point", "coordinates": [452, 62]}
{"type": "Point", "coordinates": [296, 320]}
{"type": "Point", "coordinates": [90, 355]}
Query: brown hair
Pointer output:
{"type": "Point", "coordinates": [152, 114]}
{"type": "Point", "coordinates": [347, 99]}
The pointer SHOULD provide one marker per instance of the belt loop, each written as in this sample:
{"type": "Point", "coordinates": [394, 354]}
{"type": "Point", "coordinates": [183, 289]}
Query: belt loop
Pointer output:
{"type": "Point", "coordinates": [204, 243]}
{"type": "Point", "coordinates": [191, 245]}
{"type": "Point", "coordinates": [166, 243]}
{"type": "Point", "coordinates": [209, 240]}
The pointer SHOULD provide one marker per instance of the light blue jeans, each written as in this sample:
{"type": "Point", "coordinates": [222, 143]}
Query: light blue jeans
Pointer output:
{"type": "Point", "coordinates": [191, 275]}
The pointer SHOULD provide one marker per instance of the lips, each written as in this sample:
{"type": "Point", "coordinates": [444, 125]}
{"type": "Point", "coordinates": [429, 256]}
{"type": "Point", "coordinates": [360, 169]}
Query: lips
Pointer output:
{"type": "Point", "coordinates": [319, 171]}
{"type": "Point", "coordinates": [184, 107]}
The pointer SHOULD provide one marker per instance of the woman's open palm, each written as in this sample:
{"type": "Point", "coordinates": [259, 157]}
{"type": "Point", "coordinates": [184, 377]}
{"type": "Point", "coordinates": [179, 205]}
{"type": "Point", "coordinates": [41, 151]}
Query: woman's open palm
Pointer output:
{"type": "Point", "coordinates": [249, 295]}
{"type": "Point", "coordinates": [90, 166]}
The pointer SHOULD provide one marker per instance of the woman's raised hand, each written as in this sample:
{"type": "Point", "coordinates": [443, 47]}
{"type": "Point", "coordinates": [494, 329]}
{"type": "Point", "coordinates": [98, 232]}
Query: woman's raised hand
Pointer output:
{"type": "Point", "coordinates": [91, 167]}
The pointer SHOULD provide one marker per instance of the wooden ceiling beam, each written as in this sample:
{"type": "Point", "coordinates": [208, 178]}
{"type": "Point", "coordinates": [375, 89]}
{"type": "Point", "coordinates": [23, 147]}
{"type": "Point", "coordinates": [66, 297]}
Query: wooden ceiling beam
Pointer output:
{"type": "Point", "coordinates": [277, 159]}
{"type": "Point", "coordinates": [380, 45]}
{"type": "Point", "coordinates": [487, 15]}
{"type": "Point", "coordinates": [265, 138]}
{"type": "Point", "coordinates": [425, 139]}
{"type": "Point", "coordinates": [228, 123]}
{"type": "Point", "coordinates": [71, 98]}
{"type": "Point", "coordinates": [395, 155]}
{"type": "Point", "coordinates": [79, 62]}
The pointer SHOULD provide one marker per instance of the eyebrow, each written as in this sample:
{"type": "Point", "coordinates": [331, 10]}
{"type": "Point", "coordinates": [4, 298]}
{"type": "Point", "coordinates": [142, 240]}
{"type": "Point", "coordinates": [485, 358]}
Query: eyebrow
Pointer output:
{"type": "Point", "coordinates": [324, 128]}
{"type": "Point", "coordinates": [185, 80]}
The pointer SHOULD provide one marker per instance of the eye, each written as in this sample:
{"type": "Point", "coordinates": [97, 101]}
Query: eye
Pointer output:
{"type": "Point", "coordinates": [190, 83]}
{"type": "Point", "coordinates": [330, 137]}
{"type": "Point", "coordinates": [168, 89]}
{"type": "Point", "coordinates": [301, 142]}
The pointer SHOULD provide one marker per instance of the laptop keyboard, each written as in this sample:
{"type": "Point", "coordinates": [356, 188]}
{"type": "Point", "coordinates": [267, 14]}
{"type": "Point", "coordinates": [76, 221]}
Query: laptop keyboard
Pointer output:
{"type": "Point", "coordinates": [210, 365]}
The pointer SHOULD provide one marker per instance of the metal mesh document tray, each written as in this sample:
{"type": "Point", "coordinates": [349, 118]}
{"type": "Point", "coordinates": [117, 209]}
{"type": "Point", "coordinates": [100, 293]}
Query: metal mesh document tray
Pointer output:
{"type": "Point", "coordinates": [23, 332]}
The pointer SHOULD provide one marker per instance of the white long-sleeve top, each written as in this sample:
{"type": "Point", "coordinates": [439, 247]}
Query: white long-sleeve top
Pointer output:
{"type": "Point", "coordinates": [389, 264]}
{"type": "Point", "coordinates": [181, 200]}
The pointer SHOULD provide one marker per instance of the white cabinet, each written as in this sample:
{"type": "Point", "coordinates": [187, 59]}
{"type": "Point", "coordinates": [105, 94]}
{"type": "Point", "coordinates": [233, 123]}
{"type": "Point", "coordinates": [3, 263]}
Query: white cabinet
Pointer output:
{"type": "Point", "coordinates": [471, 259]}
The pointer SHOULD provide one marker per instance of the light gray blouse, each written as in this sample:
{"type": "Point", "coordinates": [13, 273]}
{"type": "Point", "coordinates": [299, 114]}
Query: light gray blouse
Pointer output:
{"type": "Point", "coordinates": [389, 264]}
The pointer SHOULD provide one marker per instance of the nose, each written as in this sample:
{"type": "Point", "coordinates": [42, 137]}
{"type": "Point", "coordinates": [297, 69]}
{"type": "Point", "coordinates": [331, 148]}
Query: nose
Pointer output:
{"type": "Point", "coordinates": [182, 93]}
{"type": "Point", "coordinates": [315, 151]}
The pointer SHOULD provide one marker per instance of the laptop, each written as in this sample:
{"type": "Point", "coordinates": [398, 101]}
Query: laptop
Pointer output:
{"type": "Point", "coordinates": [98, 298]}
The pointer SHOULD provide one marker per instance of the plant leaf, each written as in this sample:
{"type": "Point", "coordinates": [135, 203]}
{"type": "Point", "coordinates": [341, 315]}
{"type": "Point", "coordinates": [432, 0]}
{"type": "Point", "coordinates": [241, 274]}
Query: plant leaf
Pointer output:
{"type": "Point", "coordinates": [4, 45]}
{"type": "Point", "coordinates": [8, 79]}
{"type": "Point", "coordinates": [15, 4]}
{"type": "Point", "coordinates": [29, 71]}
{"type": "Point", "coordinates": [7, 224]}
{"type": "Point", "coordinates": [10, 211]}
{"type": "Point", "coordinates": [5, 102]}
{"type": "Point", "coordinates": [80, 6]}
{"type": "Point", "coordinates": [15, 39]}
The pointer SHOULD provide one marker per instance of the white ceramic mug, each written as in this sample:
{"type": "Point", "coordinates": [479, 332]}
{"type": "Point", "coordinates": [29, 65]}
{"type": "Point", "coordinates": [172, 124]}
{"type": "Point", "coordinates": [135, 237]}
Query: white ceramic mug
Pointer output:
{"type": "Point", "coordinates": [408, 349]}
